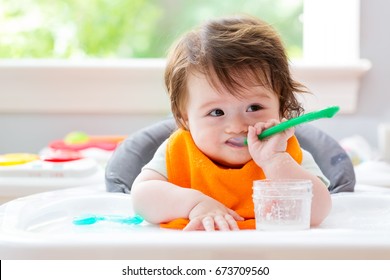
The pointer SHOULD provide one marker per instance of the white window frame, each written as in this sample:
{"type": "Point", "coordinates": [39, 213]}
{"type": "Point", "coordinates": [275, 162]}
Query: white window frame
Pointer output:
{"type": "Point", "coordinates": [331, 69]}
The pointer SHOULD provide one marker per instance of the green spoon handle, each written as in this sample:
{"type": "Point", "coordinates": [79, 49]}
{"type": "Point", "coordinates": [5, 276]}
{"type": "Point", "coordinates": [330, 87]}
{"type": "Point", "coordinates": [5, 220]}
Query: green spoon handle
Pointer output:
{"type": "Point", "coordinates": [325, 113]}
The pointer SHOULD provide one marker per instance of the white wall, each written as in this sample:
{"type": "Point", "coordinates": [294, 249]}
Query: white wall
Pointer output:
{"type": "Point", "coordinates": [374, 97]}
{"type": "Point", "coordinates": [42, 103]}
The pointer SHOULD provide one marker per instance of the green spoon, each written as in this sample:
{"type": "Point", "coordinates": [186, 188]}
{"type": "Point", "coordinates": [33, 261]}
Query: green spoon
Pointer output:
{"type": "Point", "coordinates": [312, 116]}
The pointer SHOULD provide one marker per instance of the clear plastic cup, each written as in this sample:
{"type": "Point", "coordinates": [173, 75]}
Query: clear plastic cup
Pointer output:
{"type": "Point", "coordinates": [282, 204]}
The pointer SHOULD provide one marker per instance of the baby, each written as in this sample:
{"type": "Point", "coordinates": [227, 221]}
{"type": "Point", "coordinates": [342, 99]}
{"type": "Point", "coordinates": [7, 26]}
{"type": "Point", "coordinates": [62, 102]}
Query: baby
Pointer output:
{"type": "Point", "coordinates": [227, 80]}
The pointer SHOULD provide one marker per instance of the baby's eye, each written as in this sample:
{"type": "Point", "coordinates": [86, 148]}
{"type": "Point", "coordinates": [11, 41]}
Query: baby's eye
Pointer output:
{"type": "Point", "coordinates": [216, 113]}
{"type": "Point", "coordinates": [254, 108]}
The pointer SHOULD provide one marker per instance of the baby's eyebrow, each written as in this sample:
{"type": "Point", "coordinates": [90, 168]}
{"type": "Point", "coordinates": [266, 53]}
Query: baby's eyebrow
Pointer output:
{"type": "Point", "coordinates": [263, 93]}
{"type": "Point", "coordinates": [212, 103]}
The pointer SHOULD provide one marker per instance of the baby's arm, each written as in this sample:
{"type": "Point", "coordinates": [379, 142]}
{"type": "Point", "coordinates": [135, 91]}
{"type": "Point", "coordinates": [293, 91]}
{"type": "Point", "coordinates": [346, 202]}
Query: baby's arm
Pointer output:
{"type": "Point", "coordinates": [158, 200]}
{"type": "Point", "coordinates": [270, 155]}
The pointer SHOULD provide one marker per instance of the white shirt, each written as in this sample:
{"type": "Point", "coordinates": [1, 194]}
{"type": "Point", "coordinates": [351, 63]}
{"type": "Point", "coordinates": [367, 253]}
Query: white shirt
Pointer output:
{"type": "Point", "coordinates": [158, 163]}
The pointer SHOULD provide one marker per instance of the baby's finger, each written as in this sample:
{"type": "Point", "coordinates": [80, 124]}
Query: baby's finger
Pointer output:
{"type": "Point", "coordinates": [221, 223]}
{"type": "Point", "coordinates": [252, 137]}
{"type": "Point", "coordinates": [208, 223]}
{"type": "Point", "coordinates": [194, 224]}
{"type": "Point", "coordinates": [231, 222]}
{"type": "Point", "coordinates": [271, 123]}
{"type": "Point", "coordinates": [235, 215]}
{"type": "Point", "coordinates": [290, 132]}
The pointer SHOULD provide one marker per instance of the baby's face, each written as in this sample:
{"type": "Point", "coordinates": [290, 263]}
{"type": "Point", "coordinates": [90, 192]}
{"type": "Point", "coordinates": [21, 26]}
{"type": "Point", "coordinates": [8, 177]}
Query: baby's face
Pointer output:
{"type": "Point", "coordinates": [215, 117]}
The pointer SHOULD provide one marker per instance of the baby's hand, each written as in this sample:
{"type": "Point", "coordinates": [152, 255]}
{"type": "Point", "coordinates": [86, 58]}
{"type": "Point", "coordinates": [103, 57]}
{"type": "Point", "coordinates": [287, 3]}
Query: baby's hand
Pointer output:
{"type": "Point", "coordinates": [263, 150]}
{"type": "Point", "coordinates": [210, 215]}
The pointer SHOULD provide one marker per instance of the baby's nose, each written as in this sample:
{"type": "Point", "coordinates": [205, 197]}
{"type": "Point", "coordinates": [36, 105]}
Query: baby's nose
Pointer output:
{"type": "Point", "coordinates": [236, 126]}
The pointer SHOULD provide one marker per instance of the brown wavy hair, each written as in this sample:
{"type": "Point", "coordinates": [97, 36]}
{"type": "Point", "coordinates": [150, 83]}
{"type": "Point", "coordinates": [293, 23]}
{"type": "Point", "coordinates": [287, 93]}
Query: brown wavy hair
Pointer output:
{"type": "Point", "coordinates": [233, 53]}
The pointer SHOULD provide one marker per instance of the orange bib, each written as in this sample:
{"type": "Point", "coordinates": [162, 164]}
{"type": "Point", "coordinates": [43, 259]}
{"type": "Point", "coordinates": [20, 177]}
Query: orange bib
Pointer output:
{"type": "Point", "coordinates": [188, 167]}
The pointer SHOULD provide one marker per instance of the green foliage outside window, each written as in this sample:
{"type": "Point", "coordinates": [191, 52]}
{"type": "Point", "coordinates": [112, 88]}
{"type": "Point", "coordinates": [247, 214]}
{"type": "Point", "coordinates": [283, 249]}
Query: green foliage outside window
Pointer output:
{"type": "Point", "coordinates": [125, 28]}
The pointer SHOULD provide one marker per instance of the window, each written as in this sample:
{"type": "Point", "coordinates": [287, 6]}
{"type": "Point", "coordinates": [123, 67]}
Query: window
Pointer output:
{"type": "Point", "coordinates": [126, 28]}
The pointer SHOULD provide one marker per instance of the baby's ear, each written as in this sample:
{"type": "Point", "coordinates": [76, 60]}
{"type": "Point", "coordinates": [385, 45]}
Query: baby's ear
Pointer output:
{"type": "Point", "coordinates": [184, 121]}
{"type": "Point", "coordinates": [186, 124]}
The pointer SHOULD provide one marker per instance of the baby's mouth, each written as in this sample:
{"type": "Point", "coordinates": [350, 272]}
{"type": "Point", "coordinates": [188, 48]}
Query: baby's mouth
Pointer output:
{"type": "Point", "coordinates": [236, 141]}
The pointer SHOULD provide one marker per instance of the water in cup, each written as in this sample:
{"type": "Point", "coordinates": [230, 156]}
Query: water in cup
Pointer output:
{"type": "Point", "coordinates": [282, 204]}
